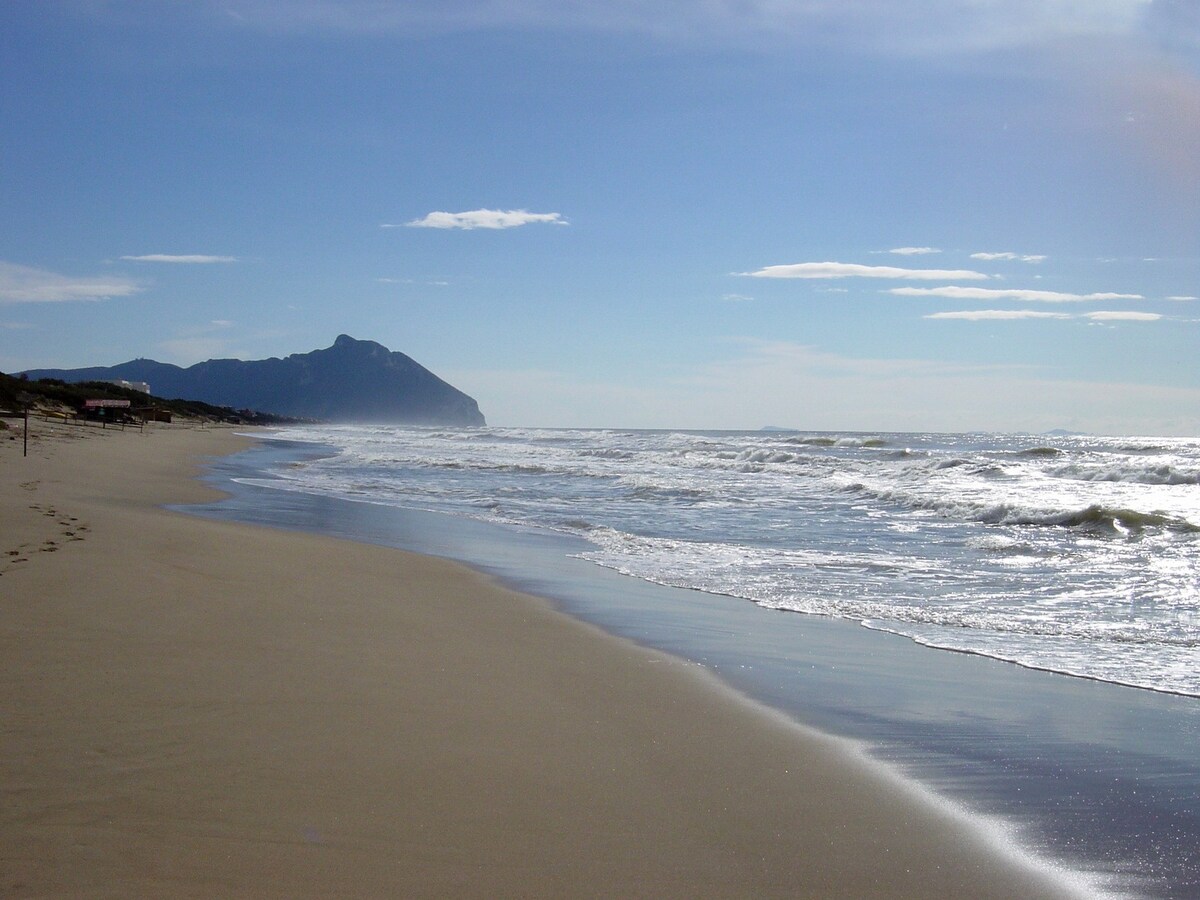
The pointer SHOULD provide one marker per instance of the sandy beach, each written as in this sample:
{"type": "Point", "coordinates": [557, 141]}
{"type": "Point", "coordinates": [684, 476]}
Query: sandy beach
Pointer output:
{"type": "Point", "coordinates": [193, 708]}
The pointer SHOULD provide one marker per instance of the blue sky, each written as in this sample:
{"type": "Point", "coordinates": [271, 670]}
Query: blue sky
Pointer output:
{"type": "Point", "coordinates": [930, 215]}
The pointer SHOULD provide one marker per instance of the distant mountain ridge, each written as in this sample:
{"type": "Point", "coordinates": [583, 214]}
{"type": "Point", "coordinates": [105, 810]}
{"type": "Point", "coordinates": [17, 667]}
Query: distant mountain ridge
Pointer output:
{"type": "Point", "coordinates": [352, 381]}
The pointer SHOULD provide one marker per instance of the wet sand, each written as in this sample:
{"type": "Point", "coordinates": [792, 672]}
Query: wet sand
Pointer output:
{"type": "Point", "coordinates": [192, 707]}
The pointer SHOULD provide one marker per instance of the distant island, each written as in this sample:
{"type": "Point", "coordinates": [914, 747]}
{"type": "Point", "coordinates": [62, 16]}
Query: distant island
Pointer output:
{"type": "Point", "coordinates": [352, 381]}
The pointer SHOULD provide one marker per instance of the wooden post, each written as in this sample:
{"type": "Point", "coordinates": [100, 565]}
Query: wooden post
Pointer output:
{"type": "Point", "coordinates": [26, 401]}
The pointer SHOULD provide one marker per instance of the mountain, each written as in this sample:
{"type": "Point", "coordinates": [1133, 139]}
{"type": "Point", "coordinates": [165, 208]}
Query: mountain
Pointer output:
{"type": "Point", "coordinates": [352, 381]}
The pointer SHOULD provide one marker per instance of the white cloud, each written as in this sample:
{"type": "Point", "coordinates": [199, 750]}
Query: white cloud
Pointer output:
{"type": "Point", "coordinates": [1183, 297]}
{"type": "Point", "coordinates": [736, 298]}
{"type": "Point", "coordinates": [1119, 316]}
{"type": "Point", "coordinates": [854, 270]}
{"type": "Point", "coordinates": [914, 251]}
{"type": "Point", "coordinates": [187, 259]}
{"type": "Point", "coordinates": [483, 218]}
{"type": "Point", "coordinates": [981, 315]}
{"type": "Point", "coordinates": [25, 284]}
{"type": "Point", "coordinates": [991, 315]}
{"type": "Point", "coordinates": [973, 293]}
{"type": "Point", "coordinates": [1029, 258]}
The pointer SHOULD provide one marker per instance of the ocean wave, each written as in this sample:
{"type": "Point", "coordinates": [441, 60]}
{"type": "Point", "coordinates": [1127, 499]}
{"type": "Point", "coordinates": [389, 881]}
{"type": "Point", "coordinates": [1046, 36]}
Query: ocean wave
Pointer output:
{"type": "Point", "coordinates": [1098, 518]}
{"type": "Point", "coordinates": [577, 525]}
{"type": "Point", "coordinates": [1001, 544]}
{"type": "Point", "coordinates": [1041, 452]}
{"type": "Point", "coordinates": [1095, 517]}
{"type": "Point", "coordinates": [608, 453]}
{"type": "Point", "coordinates": [808, 582]}
{"type": "Point", "coordinates": [765, 456]}
{"type": "Point", "coordinates": [834, 441]}
{"type": "Point", "coordinates": [1166, 669]}
{"type": "Point", "coordinates": [973, 467]}
{"type": "Point", "coordinates": [663, 492]}
{"type": "Point", "coordinates": [1142, 448]}
{"type": "Point", "coordinates": [516, 468]}
{"type": "Point", "coordinates": [1161, 473]}
{"type": "Point", "coordinates": [954, 462]}
{"type": "Point", "coordinates": [1083, 549]}
{"type": "Point", "coordinates": [811, 441]}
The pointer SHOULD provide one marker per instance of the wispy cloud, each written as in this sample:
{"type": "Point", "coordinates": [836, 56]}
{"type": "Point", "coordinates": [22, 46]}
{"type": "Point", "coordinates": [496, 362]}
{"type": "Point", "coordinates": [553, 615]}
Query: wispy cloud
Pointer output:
{"type": "Point", "coordinates": [1183, 297]}
{"type": "Point", "coordinates": [1120, 316]}
{"type": "Point", "coordinates": [991, 315]}
{"type": "Point", "coordinates": [1023, 257]}
{"type": "Point", "coordinates": [25, 284]}
{"type": "Point", "coordinates": [972, 293]}
{"type": "Point", "coordinates": [994, 315]}
{"type": "Point", "coordinates": [185, 259]}
{"type": "Point", "coordinates": [914, 251]}
{"type": "Point", "coordinates": [854, 270]}
{"type": "Point", "coordinates": [483, 218]}
{"type": "Point", "coordinates": [736, 298]}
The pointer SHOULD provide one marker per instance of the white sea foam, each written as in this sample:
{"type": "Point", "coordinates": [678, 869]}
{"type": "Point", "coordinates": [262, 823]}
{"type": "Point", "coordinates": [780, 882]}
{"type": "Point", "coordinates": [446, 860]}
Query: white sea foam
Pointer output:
{"type": "Point", "coordinates": [1082, 557]}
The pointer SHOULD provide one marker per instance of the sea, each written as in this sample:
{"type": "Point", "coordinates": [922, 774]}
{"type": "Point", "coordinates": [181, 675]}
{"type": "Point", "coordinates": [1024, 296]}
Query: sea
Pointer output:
{"type": "Point", "coordinates": [1074, 554]}
{"type": "Point", "coordinates": [1028, 606]}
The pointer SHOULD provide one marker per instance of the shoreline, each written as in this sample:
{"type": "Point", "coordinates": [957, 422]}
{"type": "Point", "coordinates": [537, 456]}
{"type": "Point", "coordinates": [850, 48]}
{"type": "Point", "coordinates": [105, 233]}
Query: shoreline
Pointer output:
{"type": "Point", "coordinates": [1097, 777]}
{"type": "Point", "coordinates": [198, 706]}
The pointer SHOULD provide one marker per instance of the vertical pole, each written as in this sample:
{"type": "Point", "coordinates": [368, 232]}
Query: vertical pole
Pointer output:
{"type": "Point", "coordinates": [25, 447]}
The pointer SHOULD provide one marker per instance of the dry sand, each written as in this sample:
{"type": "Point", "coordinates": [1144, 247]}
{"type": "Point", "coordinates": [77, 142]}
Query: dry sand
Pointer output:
{"type": "Point", "coordinates": [192, 708]}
